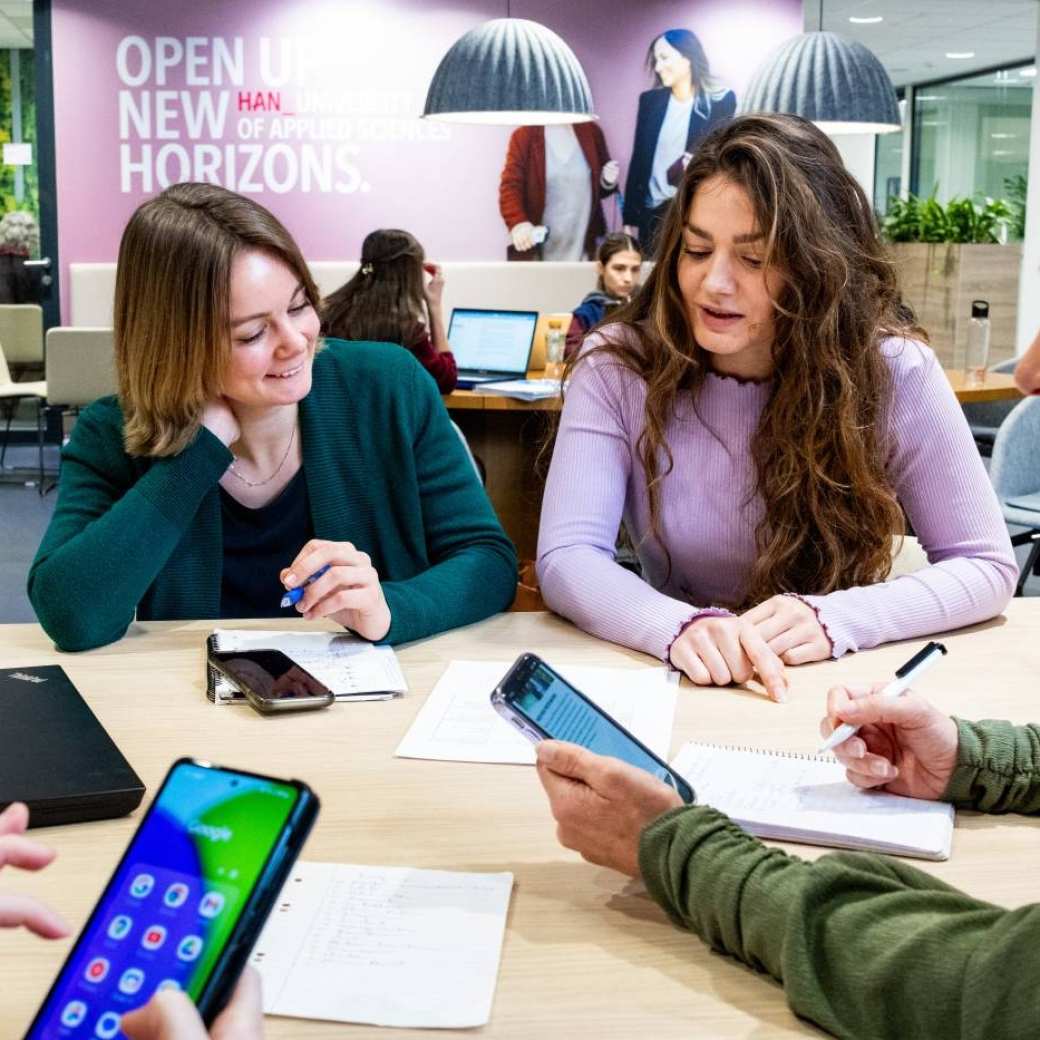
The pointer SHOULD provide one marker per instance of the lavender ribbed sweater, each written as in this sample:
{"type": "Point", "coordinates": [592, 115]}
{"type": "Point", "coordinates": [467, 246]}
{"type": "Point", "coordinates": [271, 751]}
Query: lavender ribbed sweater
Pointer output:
{"type": "Point", "coordinates": [709, 514]}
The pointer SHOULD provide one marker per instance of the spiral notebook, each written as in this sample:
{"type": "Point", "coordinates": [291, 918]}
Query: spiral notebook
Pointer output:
{"type": "Point", "coordinates": [806, 798]}
{"type": "Point", "coordinates": [353, 668]}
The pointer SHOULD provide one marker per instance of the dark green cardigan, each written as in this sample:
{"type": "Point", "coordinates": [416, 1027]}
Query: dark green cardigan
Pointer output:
{"type": "Point", "coordinates": [384, 468]}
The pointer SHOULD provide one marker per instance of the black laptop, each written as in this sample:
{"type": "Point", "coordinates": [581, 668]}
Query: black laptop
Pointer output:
{"type": "Point", "coordinates": [491, 345]}
{"type": "Point", "coordinates": [54, 754]}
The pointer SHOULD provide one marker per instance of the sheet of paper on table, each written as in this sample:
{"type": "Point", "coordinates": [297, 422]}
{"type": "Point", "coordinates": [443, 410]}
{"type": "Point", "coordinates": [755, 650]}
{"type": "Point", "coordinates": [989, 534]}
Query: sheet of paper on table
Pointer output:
{"type": "Point", "coordinates": [352, 668]}
{"type": "Point", "coordinates": [522, 389]}
{"type": "Point", "coordinates": [386, 946]}
{"type": "Point", "coordinates": [458, 724]}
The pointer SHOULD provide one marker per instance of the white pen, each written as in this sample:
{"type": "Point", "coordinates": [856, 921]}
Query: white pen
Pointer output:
{"type": "Point", "coordinates": [916, 666]}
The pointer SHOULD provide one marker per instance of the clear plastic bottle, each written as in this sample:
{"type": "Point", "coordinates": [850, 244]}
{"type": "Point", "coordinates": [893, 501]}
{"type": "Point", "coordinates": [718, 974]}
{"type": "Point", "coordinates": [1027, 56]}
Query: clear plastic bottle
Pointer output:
{"type": "Point", "coordinates": [555, 343]}
{"type": "Point", "coordinates": [977, 356]}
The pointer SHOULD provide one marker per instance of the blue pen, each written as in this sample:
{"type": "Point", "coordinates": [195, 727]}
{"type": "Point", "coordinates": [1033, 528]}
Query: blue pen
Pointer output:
{"type": "Point", "coordinates": [293, 596]}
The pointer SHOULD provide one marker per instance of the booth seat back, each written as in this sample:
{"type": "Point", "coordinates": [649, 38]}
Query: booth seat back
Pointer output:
{"type": "Point", "coordinates": [495, 285]}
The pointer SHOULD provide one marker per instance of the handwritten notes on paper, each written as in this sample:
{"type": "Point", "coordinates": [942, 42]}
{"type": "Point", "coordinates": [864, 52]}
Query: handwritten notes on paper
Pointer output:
{"type": "Point", "coordinates": [458, 724]}
{"type": "Point", "coordinates": [353, 668]}
{"type": "Point", "coordinates": [388, 946]}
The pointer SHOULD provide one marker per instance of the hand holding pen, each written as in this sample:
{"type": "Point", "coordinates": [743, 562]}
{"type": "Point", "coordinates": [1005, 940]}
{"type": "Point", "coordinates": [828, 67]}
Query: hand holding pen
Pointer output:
{"type": "Point", "coordinates": [900, 742]}
{"type": "Point", "coordinates": [336, 580]}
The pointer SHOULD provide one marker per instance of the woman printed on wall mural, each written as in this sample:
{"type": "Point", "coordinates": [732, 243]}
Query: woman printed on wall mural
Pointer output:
{"type": "Point", "coordinates": [554, 177]}
{"type": "Point", "coordinates": [672, 118]}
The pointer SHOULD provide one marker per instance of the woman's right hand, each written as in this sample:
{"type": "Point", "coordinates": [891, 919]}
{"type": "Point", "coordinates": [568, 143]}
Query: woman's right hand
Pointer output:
{"type": "Point", "coordinates": [433, 290]}
{"type": "Point", "coordinates": [903, 745]}
{"type": "Point", "coordinates": [521, 236]}
{"type": "Point", "coordinates": [717, 651]}
{"type": "Point", "coordinates": [220, 420]}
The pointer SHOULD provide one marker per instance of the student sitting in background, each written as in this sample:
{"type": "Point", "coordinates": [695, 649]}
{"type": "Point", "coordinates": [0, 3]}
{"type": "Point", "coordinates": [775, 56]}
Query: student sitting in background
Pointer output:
{"type": "Point", "coordinates": [865, 946]}
{"type": "Point", "coordinates": [619, 264]}
{"type": "Point", "coordinates": [761, 416]}
{"type": "Point", "coordinates": [389, 300]}
{"type": "Point", "coordinates": [239, 460]}
{"type": "Point", "coordinates": [169, 1015]}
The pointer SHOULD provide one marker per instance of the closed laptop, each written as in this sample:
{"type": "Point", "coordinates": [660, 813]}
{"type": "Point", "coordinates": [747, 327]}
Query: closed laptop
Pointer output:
{"type": "Point", "coordinates": [54, 754]}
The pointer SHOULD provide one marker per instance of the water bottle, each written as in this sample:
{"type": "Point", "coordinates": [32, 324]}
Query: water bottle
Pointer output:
{"type": "Point", "coordinates": [555, 343]}
{"type": "Point", "coordinates": [978, 344]}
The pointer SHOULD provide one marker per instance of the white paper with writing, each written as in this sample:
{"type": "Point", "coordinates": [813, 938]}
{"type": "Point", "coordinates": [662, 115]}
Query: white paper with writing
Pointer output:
{"type": "Point", "coordinates": [386, 946]}
{"type": "Point", "coordinates": [807, 798]}
{"type": "Point", "coordinates": [458, 724]}
{"type": "Point", "coordinates": [352, 668]}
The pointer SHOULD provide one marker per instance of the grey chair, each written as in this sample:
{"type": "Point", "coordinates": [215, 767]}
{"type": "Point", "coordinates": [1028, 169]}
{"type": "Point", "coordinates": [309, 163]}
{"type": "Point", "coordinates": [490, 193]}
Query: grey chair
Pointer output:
{"type": "Point", "coordinates": [985, 417]}
{"type": "Point", "coordinates": [80, 365]}
{"type": "Point", "coordinates": [1015, 472]}
{"type": "Point", "coordinates": [10, 394]}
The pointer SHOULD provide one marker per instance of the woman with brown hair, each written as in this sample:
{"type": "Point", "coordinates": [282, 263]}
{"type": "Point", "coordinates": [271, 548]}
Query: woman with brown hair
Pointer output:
{"type": "Point", "coordinates": [389, 300]}
{"type": "Point", "coordinates": [240, 460]}
{"type": "Point", "coordinates": [760, 416]}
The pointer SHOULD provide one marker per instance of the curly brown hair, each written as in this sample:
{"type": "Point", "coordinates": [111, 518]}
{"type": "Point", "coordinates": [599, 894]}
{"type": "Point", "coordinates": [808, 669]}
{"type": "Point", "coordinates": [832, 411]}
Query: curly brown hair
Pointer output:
{"type": "Point", "coordinates": [820, 448]}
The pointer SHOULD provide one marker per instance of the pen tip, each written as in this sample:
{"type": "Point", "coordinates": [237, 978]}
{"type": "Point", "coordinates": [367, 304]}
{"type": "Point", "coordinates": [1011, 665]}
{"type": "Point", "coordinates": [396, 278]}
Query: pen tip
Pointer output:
{"type": "Point", "coordinates": [286, 602]}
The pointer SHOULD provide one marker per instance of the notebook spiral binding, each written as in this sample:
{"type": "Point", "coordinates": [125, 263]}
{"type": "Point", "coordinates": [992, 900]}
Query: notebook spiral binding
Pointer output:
{"type": "Point", "coordinates": [772, 752]}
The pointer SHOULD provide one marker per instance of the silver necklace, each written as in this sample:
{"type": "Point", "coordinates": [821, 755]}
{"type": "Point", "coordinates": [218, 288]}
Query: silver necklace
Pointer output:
{"type": "Point", "coordinates": [278, 469]}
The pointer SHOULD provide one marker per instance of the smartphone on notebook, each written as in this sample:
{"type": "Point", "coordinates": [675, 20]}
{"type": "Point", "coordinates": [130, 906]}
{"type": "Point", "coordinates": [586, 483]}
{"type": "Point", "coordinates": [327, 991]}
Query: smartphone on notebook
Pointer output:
{"type": "Point", "coordinates": [542, 705]}
{"type": "Point", "coordinates": [186, 902]}
{"type": "Point", "coordinates": [271, 681]}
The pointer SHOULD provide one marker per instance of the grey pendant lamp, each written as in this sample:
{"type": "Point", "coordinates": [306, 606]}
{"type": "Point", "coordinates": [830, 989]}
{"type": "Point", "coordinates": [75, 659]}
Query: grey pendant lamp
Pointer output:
{"type": "Point", "coordinates": [836, 83]}
{"type": "Point", "coordinates": [512, 72]}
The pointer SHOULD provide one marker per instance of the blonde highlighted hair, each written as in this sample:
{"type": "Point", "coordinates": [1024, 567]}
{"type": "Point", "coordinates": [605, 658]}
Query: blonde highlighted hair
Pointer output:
{"type": "Point", "coordinates": [172, 306]}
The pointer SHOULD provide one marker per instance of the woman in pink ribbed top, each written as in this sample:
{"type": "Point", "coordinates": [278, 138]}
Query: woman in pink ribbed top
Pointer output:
{"type": "Point", "coordinates": [761, 416]}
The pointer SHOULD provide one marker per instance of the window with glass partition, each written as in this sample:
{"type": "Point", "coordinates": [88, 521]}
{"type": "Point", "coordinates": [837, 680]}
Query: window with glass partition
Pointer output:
{"type": "Point", "coordinates": [971, 135]}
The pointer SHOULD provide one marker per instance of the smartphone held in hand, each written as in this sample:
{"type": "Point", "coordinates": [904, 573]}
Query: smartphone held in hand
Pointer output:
{"type": "Point", "coordinates": [542, 705]}
{"type": "Point", "coordinates": [187, 900]}
{"type": "Point", "coordinates": [271, 681]}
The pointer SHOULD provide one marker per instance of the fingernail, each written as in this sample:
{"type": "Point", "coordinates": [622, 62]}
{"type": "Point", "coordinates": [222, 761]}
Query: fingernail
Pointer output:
{"type": "Point", "coordinates": [290, 580]}
{"type": "Point", "coordinates": [881, 769]}
{"type": "Point", "coordinates": [300, 607]}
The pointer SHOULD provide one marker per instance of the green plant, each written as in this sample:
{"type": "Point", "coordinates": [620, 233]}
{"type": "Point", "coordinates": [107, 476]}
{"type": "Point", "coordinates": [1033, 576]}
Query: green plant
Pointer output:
{"type": "Point", "coordinates": [902, 222]}
{"type": "Point", "coordinates": [1015, 189]}
{"type": "Point", "coordinates": [961, 220]}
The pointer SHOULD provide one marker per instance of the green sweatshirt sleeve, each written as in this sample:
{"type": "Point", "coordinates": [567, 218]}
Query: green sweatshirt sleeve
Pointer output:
{"type": "Point", "coordinates": [113, 530]}
{"type": "Point", "coordinates": [473, 571]}
{"type": "Point", "coordinates": [865, 946]}
{"type": "Point", "coordinates": [998, 767]}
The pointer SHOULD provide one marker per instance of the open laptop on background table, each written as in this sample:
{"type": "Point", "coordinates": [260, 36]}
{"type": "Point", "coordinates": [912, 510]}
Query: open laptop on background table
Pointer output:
{"type": "Point", "coordinates": [490, 345]}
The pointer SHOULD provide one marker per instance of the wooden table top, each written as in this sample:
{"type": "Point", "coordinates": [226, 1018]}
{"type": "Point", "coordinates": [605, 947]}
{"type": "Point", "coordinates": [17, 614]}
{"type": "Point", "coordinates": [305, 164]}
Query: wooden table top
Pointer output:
{"type": "Point", "coordinates": [586, 951]}
{"type": "Point", "coordinates": [999, 386]}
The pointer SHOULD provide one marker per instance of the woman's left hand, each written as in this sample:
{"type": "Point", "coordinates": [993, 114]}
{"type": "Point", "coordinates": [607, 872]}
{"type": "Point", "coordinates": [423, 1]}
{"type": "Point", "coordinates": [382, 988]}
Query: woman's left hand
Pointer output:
{"type": "Point", "coordinates": [791, 628]}
{"type": "Point", "coordinates": [434, 288]}
{"type": "Point", "coordinates": [349, 592]}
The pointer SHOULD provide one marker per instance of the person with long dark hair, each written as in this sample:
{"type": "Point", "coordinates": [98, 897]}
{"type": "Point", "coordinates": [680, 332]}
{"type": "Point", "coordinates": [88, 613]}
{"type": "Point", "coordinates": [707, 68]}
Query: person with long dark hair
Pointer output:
{"type": "Point", "coordinates": [396, 296]}
{"type": "Point", "coordinates": [761, 415]}
{"type": "Point", "coordinates": [619, 262]}
{"type": "Point", "coordinates": [685, 104]}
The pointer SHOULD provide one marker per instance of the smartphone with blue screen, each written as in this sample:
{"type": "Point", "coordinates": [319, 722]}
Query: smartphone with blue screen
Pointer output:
{"type": "Point", "coordinates": [186, 902]}
{"type": "Point", "coordinates": [542, 705]}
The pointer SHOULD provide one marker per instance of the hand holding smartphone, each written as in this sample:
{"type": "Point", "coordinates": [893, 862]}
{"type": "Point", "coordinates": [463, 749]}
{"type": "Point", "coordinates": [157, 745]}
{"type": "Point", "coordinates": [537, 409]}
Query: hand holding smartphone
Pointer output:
{"type": "Point", "coordinates": [186, 902]}
{"type": "Point", "coordinates": [542, 705]}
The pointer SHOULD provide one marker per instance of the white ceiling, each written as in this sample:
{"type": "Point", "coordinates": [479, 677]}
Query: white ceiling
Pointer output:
{"type": "Point", "coordinates": [914, 36]}
{"type": "Point", "coordinates": [911, 40]}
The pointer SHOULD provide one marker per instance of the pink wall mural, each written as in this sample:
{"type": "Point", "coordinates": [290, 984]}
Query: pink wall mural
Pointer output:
{"type": "Point", "coordinates": [312, 107]}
